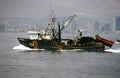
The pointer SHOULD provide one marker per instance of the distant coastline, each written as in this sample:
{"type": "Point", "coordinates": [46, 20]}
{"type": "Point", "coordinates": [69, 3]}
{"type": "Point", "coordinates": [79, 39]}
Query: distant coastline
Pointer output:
{"type": "Point", "coordinates": [87, 24]}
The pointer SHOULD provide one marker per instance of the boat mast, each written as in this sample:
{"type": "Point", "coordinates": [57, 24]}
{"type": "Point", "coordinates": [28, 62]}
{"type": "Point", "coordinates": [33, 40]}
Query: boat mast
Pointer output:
{"type": "Point", "coordinates": [59, 33]}
{"type": "Point", "coordinates": [52, 21]}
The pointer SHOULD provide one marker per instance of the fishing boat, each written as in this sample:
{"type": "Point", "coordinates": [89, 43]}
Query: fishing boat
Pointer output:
{"type": "Point", "coordinates": [118, 40]}
{"type": "Point", "coordinates": [105, 41]}
{"type": "Point", "coordinates": [50, 39]}
{"type": "Point", "coordinates": [43, 39]}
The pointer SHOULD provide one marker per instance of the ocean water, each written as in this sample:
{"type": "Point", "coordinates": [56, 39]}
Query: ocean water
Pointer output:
{"type": "Point", "coordinates": [17, 61]}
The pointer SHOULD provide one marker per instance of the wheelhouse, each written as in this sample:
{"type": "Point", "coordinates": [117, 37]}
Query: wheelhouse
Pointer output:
{"type": "Point", "coordinates": [37, 34]}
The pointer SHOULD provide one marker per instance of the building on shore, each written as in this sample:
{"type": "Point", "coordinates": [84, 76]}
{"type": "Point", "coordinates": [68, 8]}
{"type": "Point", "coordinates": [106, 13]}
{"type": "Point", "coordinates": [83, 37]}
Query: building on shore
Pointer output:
{"type": "Point", "coordinates": [2, 27]}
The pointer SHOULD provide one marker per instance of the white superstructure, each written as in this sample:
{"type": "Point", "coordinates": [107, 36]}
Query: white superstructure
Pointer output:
{"type": "Point", "coordinates": [37, 34]}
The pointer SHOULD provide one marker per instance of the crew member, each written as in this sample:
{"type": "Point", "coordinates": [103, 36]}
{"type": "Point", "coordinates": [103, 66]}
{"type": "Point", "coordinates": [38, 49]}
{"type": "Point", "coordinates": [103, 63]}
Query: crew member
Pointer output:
{"type": "Point", "coordinates": [79, 33]}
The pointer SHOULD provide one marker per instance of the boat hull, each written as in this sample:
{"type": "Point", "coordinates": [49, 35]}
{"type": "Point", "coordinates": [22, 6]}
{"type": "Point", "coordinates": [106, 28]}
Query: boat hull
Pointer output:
{"type": "Point", "coordinates": [38, 44]}
{"type": "Point", "coordinates": [53, 45]}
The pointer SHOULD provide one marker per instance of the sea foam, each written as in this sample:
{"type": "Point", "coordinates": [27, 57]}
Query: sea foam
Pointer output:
{"type": "Point", "coordinates": [113, 50]}
{"type": "Point", "coordinates": [22, 47]}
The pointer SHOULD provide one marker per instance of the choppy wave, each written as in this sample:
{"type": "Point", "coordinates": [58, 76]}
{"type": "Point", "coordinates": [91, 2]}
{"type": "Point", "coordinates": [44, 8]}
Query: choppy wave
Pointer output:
{"type": "Point", "coordinates": [22, 47]}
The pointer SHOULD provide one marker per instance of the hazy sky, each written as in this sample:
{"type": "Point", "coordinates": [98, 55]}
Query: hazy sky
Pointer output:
{"type": "Point", "coordinates": [43, 8]}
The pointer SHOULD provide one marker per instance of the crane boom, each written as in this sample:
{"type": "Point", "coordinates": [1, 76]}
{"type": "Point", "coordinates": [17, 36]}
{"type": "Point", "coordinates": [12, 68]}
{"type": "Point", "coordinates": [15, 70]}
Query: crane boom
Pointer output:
{"type": "Point", "coordinates": [67, 22]}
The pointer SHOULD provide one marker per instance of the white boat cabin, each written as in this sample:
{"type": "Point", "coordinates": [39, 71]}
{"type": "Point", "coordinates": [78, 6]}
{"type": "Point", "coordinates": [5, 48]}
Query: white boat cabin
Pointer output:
{"type": "Point", "coordinates": [37, 34]}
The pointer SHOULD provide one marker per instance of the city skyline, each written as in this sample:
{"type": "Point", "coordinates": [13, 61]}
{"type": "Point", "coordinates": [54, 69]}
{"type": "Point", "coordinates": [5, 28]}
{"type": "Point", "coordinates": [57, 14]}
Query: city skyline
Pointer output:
{"type": "Point", "coordinates": [118, 23]}
{"type": "Point", "coordinates": [87, 24]}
